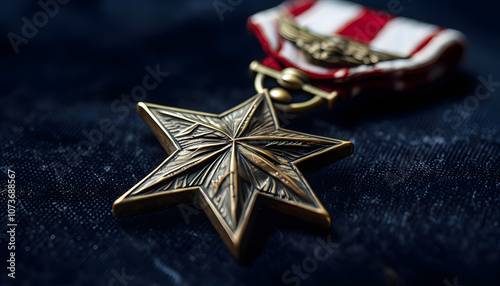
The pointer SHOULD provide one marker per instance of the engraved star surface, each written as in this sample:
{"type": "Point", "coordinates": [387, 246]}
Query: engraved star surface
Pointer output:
{"type": "Point", "coordinates": [231, 164]}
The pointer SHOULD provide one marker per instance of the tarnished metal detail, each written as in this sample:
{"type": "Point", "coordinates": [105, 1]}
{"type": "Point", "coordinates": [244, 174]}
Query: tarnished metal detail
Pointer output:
{"type": "Point", "coordinates": [232, 164]}
{"type": "Point", "coordinates": [294, 79]}
{"type": "Point", "coordinates": [331, 50]}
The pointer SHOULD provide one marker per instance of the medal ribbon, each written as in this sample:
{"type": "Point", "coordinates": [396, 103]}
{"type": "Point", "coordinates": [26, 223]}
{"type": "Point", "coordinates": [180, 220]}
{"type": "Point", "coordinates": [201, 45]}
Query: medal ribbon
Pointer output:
{"type": "Point", "coordinates": [427, 51]}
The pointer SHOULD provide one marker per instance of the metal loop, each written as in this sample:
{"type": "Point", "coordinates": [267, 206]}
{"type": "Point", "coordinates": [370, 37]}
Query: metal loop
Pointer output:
{"type": "Point", "coordinates": [294, 79]}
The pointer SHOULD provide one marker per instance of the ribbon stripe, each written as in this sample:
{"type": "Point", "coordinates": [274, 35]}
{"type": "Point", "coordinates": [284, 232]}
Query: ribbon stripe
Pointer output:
{"type": "Point", "coordinates": [366, 26]}
{"type": "Point", "coordinates": [327, 17]}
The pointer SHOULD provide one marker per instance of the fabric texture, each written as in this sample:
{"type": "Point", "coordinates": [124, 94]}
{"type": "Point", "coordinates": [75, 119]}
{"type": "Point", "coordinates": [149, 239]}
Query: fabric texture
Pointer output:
{"type": "Point", "coordinates": [418, 202]}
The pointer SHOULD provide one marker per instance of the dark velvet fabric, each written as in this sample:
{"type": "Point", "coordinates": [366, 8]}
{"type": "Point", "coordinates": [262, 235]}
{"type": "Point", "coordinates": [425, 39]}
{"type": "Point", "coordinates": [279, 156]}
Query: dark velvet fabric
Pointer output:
{"type": "Point", "coordinates": [418, 202]}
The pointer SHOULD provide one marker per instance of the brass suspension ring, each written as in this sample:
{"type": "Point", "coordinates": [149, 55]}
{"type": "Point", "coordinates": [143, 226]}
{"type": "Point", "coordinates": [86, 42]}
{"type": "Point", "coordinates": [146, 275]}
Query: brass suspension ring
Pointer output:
{"type": "Point", "coordinates": [291, 79]}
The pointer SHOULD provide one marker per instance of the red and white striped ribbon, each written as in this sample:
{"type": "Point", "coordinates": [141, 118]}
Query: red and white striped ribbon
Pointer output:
{"type": "Point", "coordinates": [431, 50]}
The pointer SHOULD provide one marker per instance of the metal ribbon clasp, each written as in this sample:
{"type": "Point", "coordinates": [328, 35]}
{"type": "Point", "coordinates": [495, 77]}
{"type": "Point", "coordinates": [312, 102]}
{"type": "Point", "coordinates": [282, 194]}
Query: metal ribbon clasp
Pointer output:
{"type": "Point", "coordinates": [291, 79]}
{"type": "Point", "coordinates": [321, 50]}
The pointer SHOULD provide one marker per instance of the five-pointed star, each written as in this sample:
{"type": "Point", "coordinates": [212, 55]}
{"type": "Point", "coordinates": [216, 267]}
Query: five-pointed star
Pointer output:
{"type": "Point", "coordinates": [232, 164]}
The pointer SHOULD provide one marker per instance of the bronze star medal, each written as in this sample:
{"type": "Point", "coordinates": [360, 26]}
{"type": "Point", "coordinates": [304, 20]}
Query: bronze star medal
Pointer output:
{"type": "Point", "coordinates": [232, 164]}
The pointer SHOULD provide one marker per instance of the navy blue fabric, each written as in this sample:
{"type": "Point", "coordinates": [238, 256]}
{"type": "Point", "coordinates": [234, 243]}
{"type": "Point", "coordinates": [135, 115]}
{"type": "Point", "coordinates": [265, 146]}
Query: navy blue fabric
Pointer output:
{"type": "Point", "coordinates": [418, 203]}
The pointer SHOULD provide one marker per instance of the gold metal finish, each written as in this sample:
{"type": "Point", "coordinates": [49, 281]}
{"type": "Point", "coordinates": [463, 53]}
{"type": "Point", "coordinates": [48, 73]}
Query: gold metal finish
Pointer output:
{"type": "Point", "coordinates": [232, 164]}
{"type": "Point", "coordinates": [331, 50]}
{"type": "Point", "coordinates": [293, 79]}
{"type": "Point", "coordinates": [280, 95]}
